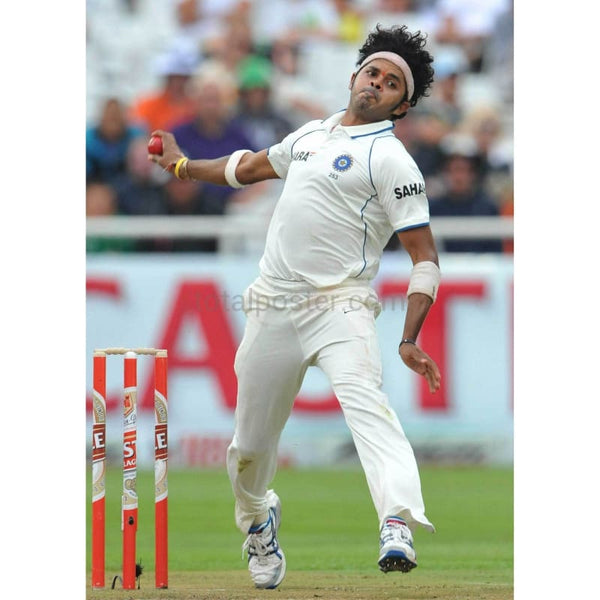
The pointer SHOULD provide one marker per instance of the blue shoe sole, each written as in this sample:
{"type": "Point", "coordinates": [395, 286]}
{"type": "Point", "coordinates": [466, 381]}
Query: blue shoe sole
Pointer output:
{"type": "Point", "coordinates": [396, 561]}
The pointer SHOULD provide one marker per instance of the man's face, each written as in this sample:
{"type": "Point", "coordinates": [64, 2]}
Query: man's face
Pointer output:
{"type": "Point", "coordinates": [210, 103]}
{"type": "Point", "coordinates": [460, 175]}
{"type": "Point", "coordinates": [377, 91]}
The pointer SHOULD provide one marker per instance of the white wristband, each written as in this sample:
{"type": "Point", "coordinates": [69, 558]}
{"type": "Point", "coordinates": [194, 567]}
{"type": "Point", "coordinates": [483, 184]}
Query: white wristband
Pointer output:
{"type": "Point", "coordinates": [231, 166]}
{"type": "Point", "coordinates": [425, 279]}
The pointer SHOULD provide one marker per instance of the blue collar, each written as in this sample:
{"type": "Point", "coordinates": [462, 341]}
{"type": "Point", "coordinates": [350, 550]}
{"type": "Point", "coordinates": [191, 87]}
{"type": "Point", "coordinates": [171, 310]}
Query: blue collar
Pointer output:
{"type": "Point", "coordinates": [356, 131]}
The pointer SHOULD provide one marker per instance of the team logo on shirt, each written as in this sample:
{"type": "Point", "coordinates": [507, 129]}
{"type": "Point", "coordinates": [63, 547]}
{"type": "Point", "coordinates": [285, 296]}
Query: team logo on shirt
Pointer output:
{"type": "Point", "coordinates": [343, 162]}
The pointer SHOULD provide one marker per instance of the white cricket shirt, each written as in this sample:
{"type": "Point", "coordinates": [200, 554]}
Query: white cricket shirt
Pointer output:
{"type": "Point", "coordinates": [347, 189]}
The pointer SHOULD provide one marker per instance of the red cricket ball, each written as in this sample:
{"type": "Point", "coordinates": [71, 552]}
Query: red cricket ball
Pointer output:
{"type": "Point", "coordinates": [155, 145]}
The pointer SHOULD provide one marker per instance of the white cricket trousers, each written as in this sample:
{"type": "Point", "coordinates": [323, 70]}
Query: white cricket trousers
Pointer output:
{"type": "Point", "coordinates": [286, 332]}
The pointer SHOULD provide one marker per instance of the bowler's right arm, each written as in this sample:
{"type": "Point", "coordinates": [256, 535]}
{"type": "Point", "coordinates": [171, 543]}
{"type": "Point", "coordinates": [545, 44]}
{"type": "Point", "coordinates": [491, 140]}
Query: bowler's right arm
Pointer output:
{"type": "Point", "coordinates": [252, 167]}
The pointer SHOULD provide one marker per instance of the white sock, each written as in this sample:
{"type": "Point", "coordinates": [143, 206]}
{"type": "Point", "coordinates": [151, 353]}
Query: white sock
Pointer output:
{"type": "Point", "coordinates": [260, 519]}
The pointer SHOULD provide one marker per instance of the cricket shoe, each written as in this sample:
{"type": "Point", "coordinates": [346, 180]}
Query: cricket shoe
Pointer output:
{"type": "Point", "coordinates": [266, 561]}
{"type": "Point", "coordinates": [396, 546]}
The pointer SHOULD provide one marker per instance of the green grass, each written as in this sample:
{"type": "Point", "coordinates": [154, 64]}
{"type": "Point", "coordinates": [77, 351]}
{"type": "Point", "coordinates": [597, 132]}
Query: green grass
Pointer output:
{"type": "Point", "coordinates": [329, 526]}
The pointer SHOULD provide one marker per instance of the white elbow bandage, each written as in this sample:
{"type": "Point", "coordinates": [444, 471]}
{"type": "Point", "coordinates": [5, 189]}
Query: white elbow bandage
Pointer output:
{"type": "Point", "coordinates": [231, 166]}
{"type": "Point", "coordinates": [425, 279]}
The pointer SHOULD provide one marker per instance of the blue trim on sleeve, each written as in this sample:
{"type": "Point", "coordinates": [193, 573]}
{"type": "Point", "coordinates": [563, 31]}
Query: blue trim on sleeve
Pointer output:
{"type": "Point", "coordinates": [412, 227]}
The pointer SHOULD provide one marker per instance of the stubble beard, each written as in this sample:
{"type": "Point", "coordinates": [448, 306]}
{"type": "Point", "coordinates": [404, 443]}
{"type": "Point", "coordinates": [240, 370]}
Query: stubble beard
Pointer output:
{"type": "Point", "coordinates": [366, 108]}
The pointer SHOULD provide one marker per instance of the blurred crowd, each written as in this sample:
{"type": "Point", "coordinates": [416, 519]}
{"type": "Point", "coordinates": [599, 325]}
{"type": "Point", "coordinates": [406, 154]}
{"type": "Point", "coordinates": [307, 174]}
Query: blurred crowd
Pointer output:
{"type": "Point", "coordinates": [229, 74]}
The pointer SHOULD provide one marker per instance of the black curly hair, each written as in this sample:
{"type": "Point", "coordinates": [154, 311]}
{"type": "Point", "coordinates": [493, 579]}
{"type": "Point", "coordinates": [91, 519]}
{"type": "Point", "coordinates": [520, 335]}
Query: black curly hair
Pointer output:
{"type": "Point", "coordinates": [410, 46]}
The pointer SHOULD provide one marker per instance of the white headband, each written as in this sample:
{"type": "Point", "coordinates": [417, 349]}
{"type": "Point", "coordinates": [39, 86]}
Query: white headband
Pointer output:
{"type": "Point", "coordinates": [400, 63]}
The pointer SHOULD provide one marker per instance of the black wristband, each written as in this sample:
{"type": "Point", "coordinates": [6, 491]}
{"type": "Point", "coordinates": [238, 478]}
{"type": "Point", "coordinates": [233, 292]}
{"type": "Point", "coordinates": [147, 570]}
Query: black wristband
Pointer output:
{"type": "Point", "coordinates": [406, 341]}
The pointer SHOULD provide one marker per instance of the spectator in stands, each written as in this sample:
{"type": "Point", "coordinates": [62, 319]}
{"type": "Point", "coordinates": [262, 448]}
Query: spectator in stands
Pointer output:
{"type": "Point", "coordinates": [292, 92]}
{"type": "Point", "coordinates": [392, 12]}
{"type": "Point", "coordinates": [186, 198]}
{"type": "Point", "coordinates": [351, 28]}
{"type": "Point", "coordinates": [108, 142]}
{"type": "Point", "coordinates": [199, 20]}
{"type": "Point", "coordinates": [183, 197]}
{"type": "Point", "coordinates": [464, 197]}
{"type": "Point", "coordinates": [101, 201]}
{"type": "Point", "coordinates": [498, 57]}
{"type": "Point", "coordinates": [213, 132]}
{"type": "Point", "coordinates": [440, 114]}
{"type": "Point", "coordinates": [298, 21]}
{"type": "Point", "coordinates": [122, 40]}
{"type": "Point", "coordinates": [232, 42]}
{"type": "Point", "coordinates": [468, 24]}
{"type": "Point", "coordinates": [494, 155]}
{"type": "Point", "coordinates": [263, 125]}
{"type": "Point", "coordinates": [171, 104]}
{"type": "Point", "coordinates": [430, 130]}
{"type": "Point", "coordinates": [450, 64]}
{"type": "Point", "coordinates": [141, 190]}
